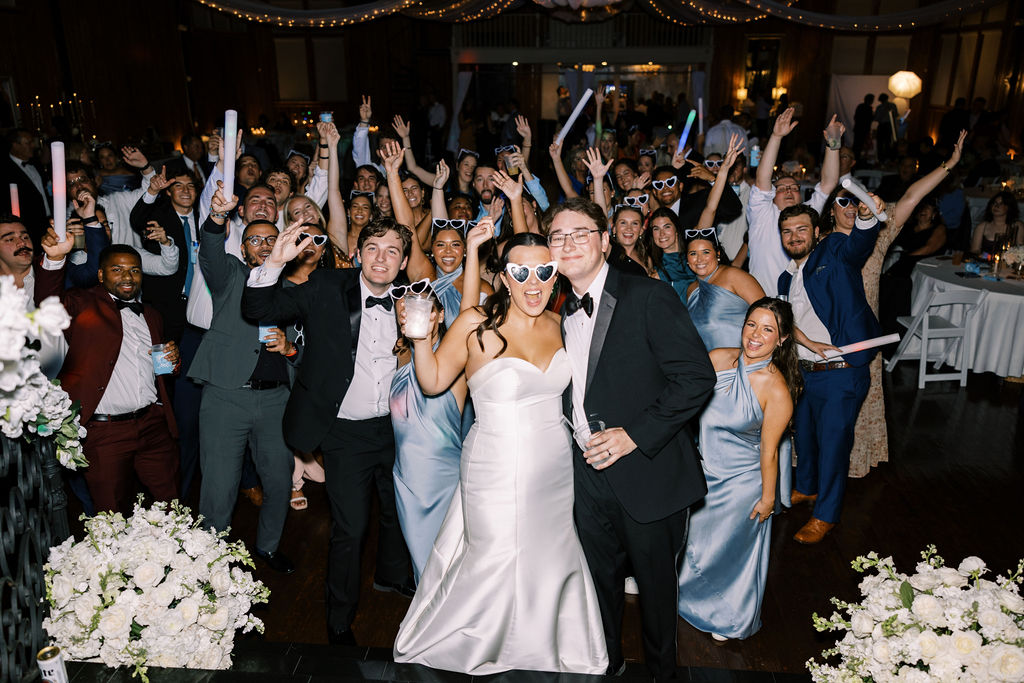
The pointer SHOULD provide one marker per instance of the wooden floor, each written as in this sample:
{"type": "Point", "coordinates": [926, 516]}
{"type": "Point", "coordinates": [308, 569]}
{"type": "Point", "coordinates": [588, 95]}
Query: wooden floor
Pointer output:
{"type": "Point", "coordinates": [955, 479]}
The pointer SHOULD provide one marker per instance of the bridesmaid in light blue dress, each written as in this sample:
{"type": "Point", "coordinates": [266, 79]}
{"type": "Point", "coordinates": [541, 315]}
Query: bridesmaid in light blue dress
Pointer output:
{"type": "Point", "coordinates": [745, 452]}
{"type": "Point", "coordinates": [428, 448]}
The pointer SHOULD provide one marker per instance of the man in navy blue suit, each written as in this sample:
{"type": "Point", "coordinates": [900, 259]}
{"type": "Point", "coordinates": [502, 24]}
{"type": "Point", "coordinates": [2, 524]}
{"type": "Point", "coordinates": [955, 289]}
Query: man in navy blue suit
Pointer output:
{"type": "Point", "coordinates": [823, 283]}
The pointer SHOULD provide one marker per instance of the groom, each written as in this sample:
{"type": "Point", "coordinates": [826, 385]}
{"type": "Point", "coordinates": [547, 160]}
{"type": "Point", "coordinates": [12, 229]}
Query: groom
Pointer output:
{"type": "Point", "coordinates": [638, 365]}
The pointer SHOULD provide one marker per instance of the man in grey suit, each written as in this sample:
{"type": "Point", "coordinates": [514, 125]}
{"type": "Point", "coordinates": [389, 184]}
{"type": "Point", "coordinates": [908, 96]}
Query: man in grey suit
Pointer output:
{"type": "Point", "coordinates": [246, 387]}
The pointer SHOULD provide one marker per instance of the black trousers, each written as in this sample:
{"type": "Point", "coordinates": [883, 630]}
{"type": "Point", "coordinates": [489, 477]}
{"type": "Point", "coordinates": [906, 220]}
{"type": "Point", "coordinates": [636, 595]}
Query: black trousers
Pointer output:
{"type": "Point", "coordinates": [359, 456]}
{"type": "Point", "coordinates": [614, 542]}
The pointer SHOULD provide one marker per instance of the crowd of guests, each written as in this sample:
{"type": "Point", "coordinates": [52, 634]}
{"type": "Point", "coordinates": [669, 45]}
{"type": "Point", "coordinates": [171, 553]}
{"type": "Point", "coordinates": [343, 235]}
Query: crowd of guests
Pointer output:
{"type": "Point", "coordinates": [660, 304]}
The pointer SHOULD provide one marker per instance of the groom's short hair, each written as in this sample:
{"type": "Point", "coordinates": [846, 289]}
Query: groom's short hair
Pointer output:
{"type": "Point", "coordinates": [578, 204]}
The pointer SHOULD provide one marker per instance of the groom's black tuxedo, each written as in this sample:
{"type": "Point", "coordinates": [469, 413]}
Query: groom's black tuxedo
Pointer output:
{"type": "Point", "coordinates": [648, 373]}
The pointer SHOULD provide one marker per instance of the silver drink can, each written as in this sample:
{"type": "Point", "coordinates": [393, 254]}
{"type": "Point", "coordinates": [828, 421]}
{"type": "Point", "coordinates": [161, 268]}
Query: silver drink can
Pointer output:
{"type": "Point", "coordinates": [51, 665]}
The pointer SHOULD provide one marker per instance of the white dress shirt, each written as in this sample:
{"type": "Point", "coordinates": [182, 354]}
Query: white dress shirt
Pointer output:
{"type": "Point", "coordinates": [37, 181]}
{"type": "Point", "coordinates": [804, 316]}
{"type": "Point", "coordinates": [195, 168]}
{"type": "Point", "coordinates": [579, 329]}
{"type": "Point", "coordinates": [730, 235]}
{"type": "Point", "coordinates": [132, 384]}
{"type": "Point", "coordinates": [767, 257]}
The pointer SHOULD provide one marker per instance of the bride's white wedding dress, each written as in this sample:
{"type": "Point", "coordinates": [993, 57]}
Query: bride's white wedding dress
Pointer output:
{"type": "Point", "coordinates": [506, 585]}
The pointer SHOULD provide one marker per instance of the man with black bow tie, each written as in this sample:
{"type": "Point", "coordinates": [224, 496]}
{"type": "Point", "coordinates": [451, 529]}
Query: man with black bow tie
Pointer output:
{"type": "Point", "coordinates": [109, 369]}
{"type": "Point", "coordinates": [340, 401]}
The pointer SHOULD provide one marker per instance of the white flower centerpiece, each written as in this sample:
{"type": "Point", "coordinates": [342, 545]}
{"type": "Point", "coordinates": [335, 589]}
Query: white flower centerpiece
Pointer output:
{"type": "Point", "coordinates": [30, 404]}
{"type": "Point", "coordinates": [940, 624]}
{"type": "Point", "coordinates": [152, 590]}
{"type": "Point", "coordinates": [1013, 256]}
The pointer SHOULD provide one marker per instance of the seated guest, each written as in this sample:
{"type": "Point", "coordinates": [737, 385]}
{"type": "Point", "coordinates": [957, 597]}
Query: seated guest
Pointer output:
{"type": "Point", "coordinates": [746, 455]}
{"type": "Point", "coordinates": [999, 224]}
{"type": "Point", "coordinates": [895, 186]}
{"type": "Point", "coordinates": [109, 370]}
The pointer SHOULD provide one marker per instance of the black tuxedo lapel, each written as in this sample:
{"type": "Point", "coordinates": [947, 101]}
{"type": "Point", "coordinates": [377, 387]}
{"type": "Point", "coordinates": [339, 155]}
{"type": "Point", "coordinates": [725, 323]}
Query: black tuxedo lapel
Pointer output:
{"type": "Point", "coordinates": [355, 315]}
{"type": "Point", "coordinates": [601, 324]}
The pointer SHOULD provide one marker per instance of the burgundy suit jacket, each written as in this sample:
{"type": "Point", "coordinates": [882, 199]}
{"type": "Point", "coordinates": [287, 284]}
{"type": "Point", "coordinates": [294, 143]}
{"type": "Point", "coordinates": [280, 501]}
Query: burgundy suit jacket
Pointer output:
{"type": "Point", "coordinates": [94, 342]}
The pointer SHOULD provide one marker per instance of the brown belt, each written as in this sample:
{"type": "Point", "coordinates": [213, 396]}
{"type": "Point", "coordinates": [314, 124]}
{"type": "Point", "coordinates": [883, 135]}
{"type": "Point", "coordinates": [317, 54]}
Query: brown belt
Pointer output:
{"type": "Point", "coordinates": [808, 366]}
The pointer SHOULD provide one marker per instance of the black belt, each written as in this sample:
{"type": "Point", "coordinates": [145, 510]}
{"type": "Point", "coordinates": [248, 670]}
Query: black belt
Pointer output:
{"type": "Point", "coordinates": [809, 366]}
{"type": "Point", "coordinates": [121, 417]}
{"type": "Point", "coordinates": [261, 384]}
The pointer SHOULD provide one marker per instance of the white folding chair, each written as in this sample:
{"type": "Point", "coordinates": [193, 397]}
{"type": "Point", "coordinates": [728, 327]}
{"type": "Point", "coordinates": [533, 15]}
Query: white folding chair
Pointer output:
{"type": "Point", "coordinates": [928, 325]}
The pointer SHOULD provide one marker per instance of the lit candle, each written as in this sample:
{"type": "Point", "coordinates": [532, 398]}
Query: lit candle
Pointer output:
{"type": "Point", "coordinates": [230, 140]}
{"type": "Point", "coordinates": [686, 132]}
{"type": "Point", "coordinates": [575, 115]}
{"type": "Point", "coordinates": [15, 203]}
{"type": "Point", "coordinates": [60, 190]}
{"type": "Point", "coordinates": [700, 116]}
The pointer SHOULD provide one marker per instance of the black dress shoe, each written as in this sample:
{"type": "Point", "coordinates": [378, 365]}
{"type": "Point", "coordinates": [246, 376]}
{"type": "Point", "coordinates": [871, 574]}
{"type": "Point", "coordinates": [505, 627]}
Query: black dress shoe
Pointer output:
{"type": "Point", "coordinates": [277, 560]}
{"type": "Point", "coordinates": [341, 636]}
{"type": "Point", "coordinates": [405, 588]}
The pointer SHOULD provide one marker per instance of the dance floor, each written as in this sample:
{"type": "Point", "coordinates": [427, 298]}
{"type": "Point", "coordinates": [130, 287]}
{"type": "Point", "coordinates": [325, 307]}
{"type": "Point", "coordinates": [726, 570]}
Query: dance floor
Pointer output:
{"type": "Point", "coordinates": [954, 479]}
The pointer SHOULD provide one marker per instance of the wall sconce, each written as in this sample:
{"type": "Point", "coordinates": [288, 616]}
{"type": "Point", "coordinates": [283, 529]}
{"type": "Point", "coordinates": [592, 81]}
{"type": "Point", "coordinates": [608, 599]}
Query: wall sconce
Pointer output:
{"type": "Point", "coordinates": [741, 95]}
{"type": "Point", "coordinates": [778, 92]}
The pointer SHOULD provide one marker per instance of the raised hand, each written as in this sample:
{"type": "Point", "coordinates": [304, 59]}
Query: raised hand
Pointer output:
{"type": "Point", "coordinates": [833, 132]}
{"type": "Point", "coordinates": [515, 160]}
{"type": "Point", "coordinates": [85, 204]}
{"type": "Point", "coordinates": [54, 250]}
{"type": "Point", "coordinates": [365, 110]}
{"type": "Point", "coordinates": [133, 157]}
{"type": "Point", "coordinates": [220, 150]}
{"type": "Point", "coordinates": [679, 160]}
{"type": "Point", "coordinates": [220, 205]}
{"type": "Point", "coordinates": [154, 231]}
{"type": "Point", "coordinates": [641, 181]}
{"type": "Point", "coordinates": [555, 150]}
{"type": "Point", "coordinates": [785, 124]}
{"type": "Point", "coordinates": [213, 144]}
{"type": "Point", "coordinates": [288, 246]}
{"type": "Point", "coordinates": [736, 145]}
{"type": "Point", "coordinates": [958, 149]}
{"type": "Point", "coordinates": [159, 182]}
{"type": "Point", "coordinates": [392, 155]}
{"type": "Point", "coordinates": [441, 174]}
{"type": "Point", "coordinates": [400, 126]}
{"type": "Point", "coordinates": [331, 134]}
{"type": "Point", "coordinates": [479, 234]}
{"type": "Point", "coordinates": [598, 168]}
{"type": "Point", "coordinates": [513, 189]}
{"type": "Point", "coordinates": [523, 128]}
{"type": "Point", "coordinates": [864, 211]}
{"type": "Point", "coordinates": [700, 171]}
{"type": "Point", "coordinates": [496, 208]}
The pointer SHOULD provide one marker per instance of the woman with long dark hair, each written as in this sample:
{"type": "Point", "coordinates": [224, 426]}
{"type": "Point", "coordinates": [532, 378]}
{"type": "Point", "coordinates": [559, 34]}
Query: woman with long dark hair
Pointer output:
{"type": "Point", "coordinates": [1000, 224]}
{"type": "Point", "coordinates": [745, 453]}
{"type": "Point", "coordinates": [509, 531]}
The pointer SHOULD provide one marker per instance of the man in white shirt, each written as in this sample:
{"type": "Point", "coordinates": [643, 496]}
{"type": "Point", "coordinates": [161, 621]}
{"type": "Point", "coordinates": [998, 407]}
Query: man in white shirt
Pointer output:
{"type": "Point", "coordinates": [768, 197]}
{"type": "Point", "coordinates": [113, 210]}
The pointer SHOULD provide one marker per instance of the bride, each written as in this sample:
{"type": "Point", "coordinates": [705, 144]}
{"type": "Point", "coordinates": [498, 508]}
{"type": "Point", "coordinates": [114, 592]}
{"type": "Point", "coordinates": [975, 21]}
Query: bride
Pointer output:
{"type": "Point", "coordinates": [506, 585]}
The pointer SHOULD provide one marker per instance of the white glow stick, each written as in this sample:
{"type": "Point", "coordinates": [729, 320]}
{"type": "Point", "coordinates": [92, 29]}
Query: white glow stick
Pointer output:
{"type": "Point", "coordinates": [575, 115]}
{"type": "Point", "coordinates": [15, 203]}
{"type": "Point", "coordinates": [230, 140]}
{"type": "Point", "coordinates": [860, 193]}
{"type": "Point", "coordinates": [60, 191]}
{"type": "Point", "coordinates": [864, 345]}
{"type": "Point", "coordinates": [700, 116]}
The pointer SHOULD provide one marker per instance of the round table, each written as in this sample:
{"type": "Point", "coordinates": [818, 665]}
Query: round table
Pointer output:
{"type": "Point", "coordinates": [998, 326]}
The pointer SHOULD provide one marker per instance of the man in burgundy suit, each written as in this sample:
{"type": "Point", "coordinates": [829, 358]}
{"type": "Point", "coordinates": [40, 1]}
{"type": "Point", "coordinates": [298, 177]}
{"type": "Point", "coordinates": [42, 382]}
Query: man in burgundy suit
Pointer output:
{"type": "Point", "coordinates": [109, 369]}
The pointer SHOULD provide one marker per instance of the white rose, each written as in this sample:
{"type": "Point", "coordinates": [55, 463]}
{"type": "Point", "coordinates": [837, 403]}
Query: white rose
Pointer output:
{"type": "Point", "coordinates": [925, 581]}
{"type": "Point", "coordinates": [880, 651]}
{"type": "Point", "coordinates": [990, 619]}
{"type": "Point", "coordinates": [1006, 663]}
{"type": "Point", "coordinates": [909, 674]}
{"type": "Point", "coordinates": [951, 577]}
{"type": "Point", "coordinates": [221, 581]}
{"type": "Point", "coordinates": [217, 621]}
{"type": "Point", "coordinates": [148, 574]}
{"type": "Point", "coordinates": [862, 624]}
{"type": "Point", "coordinates": [1011, 601]}
{"type": "Point", "coordinates": [85, 607]}
{"type": "Point", "coordinates": [162, 595]}
{"type": "Point", "coordinates": [209, 657]}
{"type": "Point", "coordinates": [61, 589]}
{"type": "Point", "coordinates": [164, 659]}
{"type": "Point", "coordinates": [929, 610]}
{"type": "Point", "coordinates": [50, 318]}
{"type": "Point", "coordinates": [115, 622]}
{"type": "Point", "coordinates": [970, 565]}
{"type": "Point", "coordinates": [172, 623]}
{"type": "Point", "coordinates": [929, 645]}
{"type": "Point", "coordinates": [966, 643]}
{"type": "Point", "coordinates": [189, 610]}
{"type": "Point", "coordinates": [945, 668]}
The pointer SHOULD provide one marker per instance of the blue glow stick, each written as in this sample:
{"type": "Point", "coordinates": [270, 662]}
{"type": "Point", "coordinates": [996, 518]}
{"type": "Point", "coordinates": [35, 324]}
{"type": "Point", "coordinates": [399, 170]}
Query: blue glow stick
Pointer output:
{"type": "Point", "coordinates": [686, 131]}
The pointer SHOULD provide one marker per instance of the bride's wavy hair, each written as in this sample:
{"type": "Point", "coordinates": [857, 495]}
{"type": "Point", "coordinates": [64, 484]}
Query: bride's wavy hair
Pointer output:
{"type": "Point", "coordinates": [497, 305]}
{"type": "Point", "coordinates": [784, 357]}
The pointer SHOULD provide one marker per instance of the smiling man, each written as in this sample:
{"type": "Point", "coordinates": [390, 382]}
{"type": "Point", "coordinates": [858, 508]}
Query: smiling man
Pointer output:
{"type": "Point", "coordinates": [340, 401]}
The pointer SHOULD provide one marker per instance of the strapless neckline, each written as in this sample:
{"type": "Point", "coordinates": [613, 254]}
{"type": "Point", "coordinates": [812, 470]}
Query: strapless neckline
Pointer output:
{"type": "Point", "coordinates": [551, 362]}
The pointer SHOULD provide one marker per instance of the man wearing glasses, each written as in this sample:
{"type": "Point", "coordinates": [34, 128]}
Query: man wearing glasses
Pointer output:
{"type": "Point", "coordinates": [769, 197]}
{"type": "Point", "coordinates": [243, 367]}
{"type": "Point", "coordinates": [640, 474]}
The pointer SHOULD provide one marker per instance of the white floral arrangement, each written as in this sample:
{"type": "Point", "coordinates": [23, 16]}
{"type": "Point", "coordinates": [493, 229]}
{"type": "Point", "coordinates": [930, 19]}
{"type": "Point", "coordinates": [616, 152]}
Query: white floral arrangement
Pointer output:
{"type": "Point", "coordinates": [940, 624]}
{"type": "Point", "coordinates": [1013, 256]}
{"type": "Point", "coordinates": [31, 404]}
{"type": "Point", "coordinates": [152, 590]}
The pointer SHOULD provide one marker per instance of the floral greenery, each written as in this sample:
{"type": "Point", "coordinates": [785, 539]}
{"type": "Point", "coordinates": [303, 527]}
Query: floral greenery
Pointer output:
{"type": "Point", "coordinates": [29, 402]}
{"type": "Point", "coordinates": [153, 590]}
{"type": "Point", "coordinates": [940, 624]}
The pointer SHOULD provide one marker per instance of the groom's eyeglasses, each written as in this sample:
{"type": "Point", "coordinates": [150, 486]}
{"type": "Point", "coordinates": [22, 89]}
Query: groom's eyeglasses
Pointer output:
{"type": "Point", "coordinates": [521, 274]}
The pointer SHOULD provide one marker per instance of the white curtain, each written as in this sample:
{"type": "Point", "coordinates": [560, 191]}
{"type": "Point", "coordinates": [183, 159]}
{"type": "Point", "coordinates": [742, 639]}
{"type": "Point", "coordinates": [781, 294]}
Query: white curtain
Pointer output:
{"type": "Point", "coordinates": [846, 92]}
{"type": "Point", "coordinates": [462, 82]}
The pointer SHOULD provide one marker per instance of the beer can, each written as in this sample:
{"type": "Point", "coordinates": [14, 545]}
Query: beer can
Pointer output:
{"type": "Point", "coordinates": [51, 665]}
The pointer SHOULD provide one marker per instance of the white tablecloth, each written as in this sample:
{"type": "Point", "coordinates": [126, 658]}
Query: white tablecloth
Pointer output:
{"type": "Point", "coordinates": [998, 327]}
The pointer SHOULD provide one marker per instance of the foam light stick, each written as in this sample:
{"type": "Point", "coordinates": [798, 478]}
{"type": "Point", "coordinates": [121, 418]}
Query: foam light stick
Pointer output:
{"type": "Point", "coordinates": [15, 203]}
{"type": "Point", "coordinates": [575, 115]}
{"type": "Point", "coordinates": [60, 191]}
{"type": "Point", "coordinates": [860, 193]}
{"type": "Point", "coordinates": [864, 345]}
{"type": "Point", "coordinates": [230, 141]}
{"type": "Point", "coordinates": [686, 131]}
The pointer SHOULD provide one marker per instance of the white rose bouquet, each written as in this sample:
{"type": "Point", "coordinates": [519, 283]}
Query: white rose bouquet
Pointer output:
{"type": "Point", "coordinates": [1013, 256]}
{"type": "Point", "coordinates": [29, 402]}
{"type": "Point", "coordinates": [940, 624]}
{"type": "Point", "coordinates": [152, 590]}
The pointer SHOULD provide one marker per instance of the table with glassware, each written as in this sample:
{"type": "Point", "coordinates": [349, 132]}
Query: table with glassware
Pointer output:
{"type": "Point", "coordinates": [998, 326]}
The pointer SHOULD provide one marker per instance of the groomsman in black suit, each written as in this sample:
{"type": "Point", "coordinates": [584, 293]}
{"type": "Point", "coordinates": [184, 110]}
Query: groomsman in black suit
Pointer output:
{"type": "Point", "coordinates": [19, 167]}
{"type": "Point", "coordinates": [639, 365]}
{"type": "Point", "coordinates": [339, 401]}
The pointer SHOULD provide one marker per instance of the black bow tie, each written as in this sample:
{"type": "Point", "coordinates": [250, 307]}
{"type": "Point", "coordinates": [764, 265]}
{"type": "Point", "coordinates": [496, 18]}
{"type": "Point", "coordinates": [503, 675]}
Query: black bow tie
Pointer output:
{"type": "Point", "coordinates": [382, 301]}
{"type": "Point", "coordinates": [134, 306]}
{"type": "Point", "coordinates": [575, 303]}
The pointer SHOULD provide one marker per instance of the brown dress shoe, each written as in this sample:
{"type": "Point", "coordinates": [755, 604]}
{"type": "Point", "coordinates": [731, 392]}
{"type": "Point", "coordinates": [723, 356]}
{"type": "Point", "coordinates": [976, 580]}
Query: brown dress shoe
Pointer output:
{"type": "Point", "coordinates": [813, 531]}
{"type": "Point", "coordinates": [255, 495]}
{"type": "Point", "coordinates": [796, 498]}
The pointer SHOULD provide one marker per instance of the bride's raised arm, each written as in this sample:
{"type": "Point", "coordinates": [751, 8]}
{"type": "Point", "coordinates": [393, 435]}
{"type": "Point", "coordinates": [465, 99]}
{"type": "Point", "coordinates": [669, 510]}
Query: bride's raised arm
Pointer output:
{"type": "Point", "coordinates": [437, 370]}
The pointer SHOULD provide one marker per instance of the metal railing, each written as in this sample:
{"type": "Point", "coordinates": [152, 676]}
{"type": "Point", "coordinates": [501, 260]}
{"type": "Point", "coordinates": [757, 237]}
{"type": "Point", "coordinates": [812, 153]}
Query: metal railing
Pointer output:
{"type": "Point", "coordinates": [543, 31]}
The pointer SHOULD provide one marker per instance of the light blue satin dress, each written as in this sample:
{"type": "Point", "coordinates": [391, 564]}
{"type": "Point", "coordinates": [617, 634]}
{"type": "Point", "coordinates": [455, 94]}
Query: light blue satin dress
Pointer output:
{"type": "Point", "coordinates": [718, 315]}
{"type": "Point", "coordinates": [722, 579]}
{"type": "Point", "coordinates": [428, 447]}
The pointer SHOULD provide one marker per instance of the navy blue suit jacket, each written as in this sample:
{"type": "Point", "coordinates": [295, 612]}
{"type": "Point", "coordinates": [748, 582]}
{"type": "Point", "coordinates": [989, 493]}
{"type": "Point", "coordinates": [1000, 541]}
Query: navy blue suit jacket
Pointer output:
{"type": "Point", "coordinates": [835, 287]}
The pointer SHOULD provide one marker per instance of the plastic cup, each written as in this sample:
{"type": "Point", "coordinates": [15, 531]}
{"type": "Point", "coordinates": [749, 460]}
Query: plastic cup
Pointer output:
{"type": "Point", "coordinates": [585, 431]}
{"type": "Point", "coordinates": [417, 317]}
{"type": "Point", "coordinates": [958, 258]}
{"type": "Point", "coordinates": [265, 332]}
{"type": "Point", "coordinates": [161, 365]}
